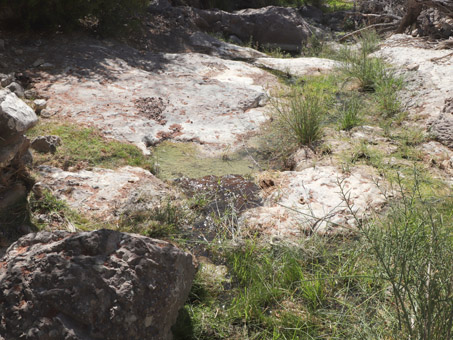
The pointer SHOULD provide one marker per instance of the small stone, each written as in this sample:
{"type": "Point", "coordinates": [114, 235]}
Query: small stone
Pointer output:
{"type": "Point", "coordinates": [6, 79]}
{"type": "Point", "coordinates": [40, 104]}
{"type": "Point", "coordinates": [46, 113]}
{"type": "Point", "coordinates": [46, 65]}
{"type": "Point", "coordinates": [413, 67]}
{"type": "Point", "coordinates": [46, 144]}
{"type": "Point", "coordinates": [30, 94]}
{"type": "Point", "coordinates": [16, 88]}
{"type": "Point", "coordinates": [38, 62]}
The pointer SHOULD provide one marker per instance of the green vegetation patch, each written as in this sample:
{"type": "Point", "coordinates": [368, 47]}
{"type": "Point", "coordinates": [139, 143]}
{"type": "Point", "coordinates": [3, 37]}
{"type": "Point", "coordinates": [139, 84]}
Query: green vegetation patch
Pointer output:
{"type": "Point", "coordinates": [83, 147]}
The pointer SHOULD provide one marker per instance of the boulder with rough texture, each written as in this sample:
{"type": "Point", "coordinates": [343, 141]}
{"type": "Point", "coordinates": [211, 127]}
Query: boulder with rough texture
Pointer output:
{"type": "Point", "coordinates": [15, 182]}
{"type": "Point", "coordinates": [17, 89]}
{"type": "Point", "coordinates": [104, 193]}
{"type": "Point", "coordinates": [39, 104]}
{"type": "Point", "coordinates": [310, 201]}
{"type": "Point", "coordinates": [272, 27]}
{"type": "Point", "coordinates": [46, 144]}
{"type": "Point", "coordinates": [15, 116]}
{"type": "Point", "coordinates": [92, 285]}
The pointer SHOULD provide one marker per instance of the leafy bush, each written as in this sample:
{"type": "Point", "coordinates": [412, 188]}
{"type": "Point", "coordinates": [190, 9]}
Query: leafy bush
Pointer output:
{"type": "Point", "coordinates": [64, 14]}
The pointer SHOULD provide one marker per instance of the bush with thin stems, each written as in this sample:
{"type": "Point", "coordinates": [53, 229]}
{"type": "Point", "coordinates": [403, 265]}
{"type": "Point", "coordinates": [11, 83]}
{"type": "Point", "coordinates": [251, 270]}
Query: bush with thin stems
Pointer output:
{"type": "Point", "coordinates": [302, 114]}
{"type": "Point", "coordinates": [413, 246]}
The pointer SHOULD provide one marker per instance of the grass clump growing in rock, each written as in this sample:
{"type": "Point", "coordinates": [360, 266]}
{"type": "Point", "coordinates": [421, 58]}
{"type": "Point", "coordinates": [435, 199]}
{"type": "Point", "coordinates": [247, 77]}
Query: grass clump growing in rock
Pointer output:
{"type": "Point", "coordinates": [86, 147]}
{"type": "Point", "coordinates": [350, 113]}
{"type": "Point", "coordinates": [302, 114]}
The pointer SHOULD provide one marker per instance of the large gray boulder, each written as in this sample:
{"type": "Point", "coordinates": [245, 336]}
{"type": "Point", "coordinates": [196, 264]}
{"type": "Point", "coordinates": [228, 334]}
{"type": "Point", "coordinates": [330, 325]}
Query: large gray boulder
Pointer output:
{"type": "Point", "coordinates": [271, 27]}
{"type": "Point", "coordinates": [92, 285]}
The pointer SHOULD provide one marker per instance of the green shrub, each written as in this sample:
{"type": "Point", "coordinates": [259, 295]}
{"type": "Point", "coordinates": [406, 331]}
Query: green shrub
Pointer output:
{"type": "Point", "coordinates": [67, 14]}
{"type": "Point", "coordinates": [350, 113]}
{"type": "Point", "coordinates": [302, 115]}
{"type": "Point", "coordinates": [387, 87]}
{"type": "Point", "coordinates": [357, 64]}
{"type": "Point", "coordinates": [413, 246]}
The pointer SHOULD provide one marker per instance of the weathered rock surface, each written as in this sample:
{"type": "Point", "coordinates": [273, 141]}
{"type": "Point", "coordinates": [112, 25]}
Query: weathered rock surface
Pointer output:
{"type": "Point", "coordinates": [204, 98]}
{"type": "Point", "coordinates": [273, 27]}
{"type": "Point", "coordinates": [17, 89]}
{"type": "Point", "coordinates": [298, 67]}
{"type": "Point", "coordinates": [442, 127]}
{"type": "Point", "coordinates": [310, 201]}
{"type": "Point", "coordinates": [430, 73]}
{"type": "Point", "coordinates": [15, 115]}
{"type": "Point", "coordinates": [92, 285]}
{"type": "Point", "coordinates": [104, 193]}
{"type": "Point", "coordinates": [15, 183]}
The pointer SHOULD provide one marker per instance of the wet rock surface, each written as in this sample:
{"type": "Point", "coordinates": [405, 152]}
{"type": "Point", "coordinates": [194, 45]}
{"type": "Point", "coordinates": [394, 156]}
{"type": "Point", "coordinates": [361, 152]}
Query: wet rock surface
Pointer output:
{"type": "Point", "coordinates": [231, 191]}
{"type": "Point", "coordinates": [92, 285]}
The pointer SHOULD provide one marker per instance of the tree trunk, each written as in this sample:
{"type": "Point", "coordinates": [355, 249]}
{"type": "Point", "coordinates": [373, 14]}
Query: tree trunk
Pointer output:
{"type": "Point", "coordinates": [413, 10]}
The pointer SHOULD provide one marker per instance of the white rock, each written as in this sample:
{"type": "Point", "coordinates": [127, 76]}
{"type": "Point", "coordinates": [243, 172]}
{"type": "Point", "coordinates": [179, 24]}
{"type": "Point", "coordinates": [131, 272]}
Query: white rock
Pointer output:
{"type": "Point", "coordinates": [103, 193]}
{"type": "Point", "coordinates": [204, 98]}
{"type": "Point", "coordinates": [311, 201]}
{"type": "Point", "coordinates": [40, 104]}
{"type": "Point", "coordinates": [298, 66]}
{"type": "Point", "coordinates": [15, 115]}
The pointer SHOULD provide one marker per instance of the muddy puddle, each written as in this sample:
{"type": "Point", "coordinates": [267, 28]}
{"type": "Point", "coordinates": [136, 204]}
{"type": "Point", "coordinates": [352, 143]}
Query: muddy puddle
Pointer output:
{"type": "Point", "coordinates": [178, 160]}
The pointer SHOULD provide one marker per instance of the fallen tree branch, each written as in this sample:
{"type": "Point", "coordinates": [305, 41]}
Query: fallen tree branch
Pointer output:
{"type": "Point", "coordinates": [372, 15]}
{"type": "Point", "coordinates": [352, 34]}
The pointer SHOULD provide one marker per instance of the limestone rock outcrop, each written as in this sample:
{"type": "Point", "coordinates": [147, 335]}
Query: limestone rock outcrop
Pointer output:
{"type": "Point", "coordinates": [271, 27]}
{"type": "Point", "coordinates": [92, 285]}
{"type": "Point", "coordinates": [15, 183]}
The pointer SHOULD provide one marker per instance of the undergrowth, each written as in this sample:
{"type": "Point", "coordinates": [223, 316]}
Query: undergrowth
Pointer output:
{"type": "Point", "coordinates": [83, 147]}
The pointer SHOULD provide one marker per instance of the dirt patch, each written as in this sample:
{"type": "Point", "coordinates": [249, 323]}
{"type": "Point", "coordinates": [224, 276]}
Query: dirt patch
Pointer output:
{"type": "Point", "coordinates": [152, 108]}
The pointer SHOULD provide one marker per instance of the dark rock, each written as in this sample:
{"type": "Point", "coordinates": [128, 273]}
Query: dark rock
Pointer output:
{"type": "Point", "coordinates": [17, 89]}
{"type": "Point", "coordinates": [272, 27]}
{"type": "Point", "coordinates": [92, 285]}
{"type": "Point", "coordinates": [46, 144]}
{"type": "Point", "coordinates": [6, 79]}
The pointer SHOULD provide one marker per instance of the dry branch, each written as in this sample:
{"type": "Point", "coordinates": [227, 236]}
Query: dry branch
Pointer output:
{"type": "Point", "coordinates": [383, 25]}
